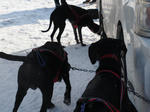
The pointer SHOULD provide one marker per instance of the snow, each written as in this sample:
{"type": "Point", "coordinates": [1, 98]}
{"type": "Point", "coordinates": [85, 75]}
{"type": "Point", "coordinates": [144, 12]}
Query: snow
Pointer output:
{"type": "Point", "coordinates": [21, 22]}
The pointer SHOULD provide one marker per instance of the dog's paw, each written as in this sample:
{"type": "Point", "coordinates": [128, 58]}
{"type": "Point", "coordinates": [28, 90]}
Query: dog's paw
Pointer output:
{"type": "Point", "coordinates": [64, 46]}
{"type": "Point", "coordinates": [77, 42]}
{"type": "Point", "coordinates": [51, 105]}
{"type": "Point", "coordinates": [83, 44]}
{"type": "Point", "coordinates": [67, 101]}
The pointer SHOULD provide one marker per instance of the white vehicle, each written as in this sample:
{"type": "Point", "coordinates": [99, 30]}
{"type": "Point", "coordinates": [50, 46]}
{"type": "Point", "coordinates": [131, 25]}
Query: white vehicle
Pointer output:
{"type": "Point", "coordinates": [130, 20]}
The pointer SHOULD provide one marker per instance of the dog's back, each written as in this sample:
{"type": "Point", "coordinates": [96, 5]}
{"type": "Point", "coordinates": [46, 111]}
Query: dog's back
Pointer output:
{"type": "Point", "coordinates": [93, 13]}
{"type": "Point", "coordinates": [78, 17]}
{"type": "Point", "coordinates": [80, 11]}
{"type": "Point", "coordinates": [102, 86]}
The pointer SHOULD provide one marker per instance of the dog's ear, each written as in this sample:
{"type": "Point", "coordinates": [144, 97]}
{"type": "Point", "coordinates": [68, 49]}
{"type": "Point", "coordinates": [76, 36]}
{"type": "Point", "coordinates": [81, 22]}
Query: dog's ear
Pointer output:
{"type": "Point", "coordinates": [93, 52]}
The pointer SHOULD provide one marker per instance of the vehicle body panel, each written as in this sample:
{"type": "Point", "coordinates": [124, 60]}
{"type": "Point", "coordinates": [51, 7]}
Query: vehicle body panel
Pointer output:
{"type": "Point", "coordinates": [138, 55]}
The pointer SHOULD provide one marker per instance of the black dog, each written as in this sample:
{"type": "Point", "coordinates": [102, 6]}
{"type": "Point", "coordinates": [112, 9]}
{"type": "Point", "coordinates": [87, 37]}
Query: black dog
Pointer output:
{"type": "Point", "coordinates": [78, 17]}
{"type": "Point", "coordinates": [93, 13]}
{"type": "Point", "coordinates": [41, 68]}
{"type": "Point", "coordinates": [106, 92]}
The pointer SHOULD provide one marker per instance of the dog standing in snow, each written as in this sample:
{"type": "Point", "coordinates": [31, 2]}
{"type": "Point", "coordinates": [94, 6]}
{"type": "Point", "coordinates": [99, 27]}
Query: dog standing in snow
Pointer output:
{"type": "Point", "coordinates": [77, 16]}
{"type": "Point", "coordinates": [40, 69]}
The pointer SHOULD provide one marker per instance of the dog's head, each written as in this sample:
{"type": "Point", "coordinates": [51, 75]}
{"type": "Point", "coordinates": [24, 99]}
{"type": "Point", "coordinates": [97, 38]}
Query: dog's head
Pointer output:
{"type": "Point", "coordinates": [106, 46]}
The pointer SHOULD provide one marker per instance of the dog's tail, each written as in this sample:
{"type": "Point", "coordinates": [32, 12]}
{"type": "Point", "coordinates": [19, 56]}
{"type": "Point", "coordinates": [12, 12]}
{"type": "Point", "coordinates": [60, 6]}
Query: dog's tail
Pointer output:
{"type": "Point", "coordinates": [49, 24]}
{"type": "Point", "coordinates": [14, 57]}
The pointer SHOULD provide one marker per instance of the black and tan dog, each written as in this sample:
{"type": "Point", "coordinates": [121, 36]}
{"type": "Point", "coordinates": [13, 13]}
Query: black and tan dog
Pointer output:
{"type": "Point", "coordinates": [106, 92]}
{"type": "Point", "coordinates": [40, 69]}
{"type": "Point", "coordinates": [78, 17]}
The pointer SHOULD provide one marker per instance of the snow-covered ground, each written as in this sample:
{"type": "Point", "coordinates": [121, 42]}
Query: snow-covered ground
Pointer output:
{"type": "Point", "coordinates": [21, 22]}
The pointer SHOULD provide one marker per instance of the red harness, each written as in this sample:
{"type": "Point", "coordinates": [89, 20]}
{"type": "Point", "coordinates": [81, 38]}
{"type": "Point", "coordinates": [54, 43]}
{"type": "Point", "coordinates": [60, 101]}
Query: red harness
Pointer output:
{"type": "Point", "coordinates": [115, 74]}
{"type": "Point", "coordinates": [111, 107]}
{"type": "Point", "coordinates": [56, 79]}
{"type": "Point", "coordinates": [55, 54]}
{"type": "Point", "coordinates": [110, 56]}
{"type": "Point", "coordinates": [78, 18]}
{"type": "Point", "coordinates": [107, 104]}
{"type": "Point", "coordinates": [122, 83]}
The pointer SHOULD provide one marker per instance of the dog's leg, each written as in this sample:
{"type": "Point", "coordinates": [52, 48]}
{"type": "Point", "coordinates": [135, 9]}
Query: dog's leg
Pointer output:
{"type": "Point", "coordinates": [47, 92]}
{"type": "Point", "coordinates": [67, 95]}
{"type": "Point", "coordinates": [61, 29]}
{"type": "Point", "coordinates": [80, 35]}
{"type": "Point", "coordinates": [19, 97]}
{"type": "Point", "coordinates": [50, 94]}
{"type": "Point", "coordinates": [54, 30]}
{"type": "Point", "coordinates": [75, 34]}
{"type": "Point", "coordinates": [57, 4]}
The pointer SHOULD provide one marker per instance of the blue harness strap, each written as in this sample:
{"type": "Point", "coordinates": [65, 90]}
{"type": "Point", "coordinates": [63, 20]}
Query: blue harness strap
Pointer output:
{"type": "Point", "coordinates": [40, 59]}
{"type": "Point", "coordinates": [82, 107]}
{"type": "Point", "coordinates": [111, 107]}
